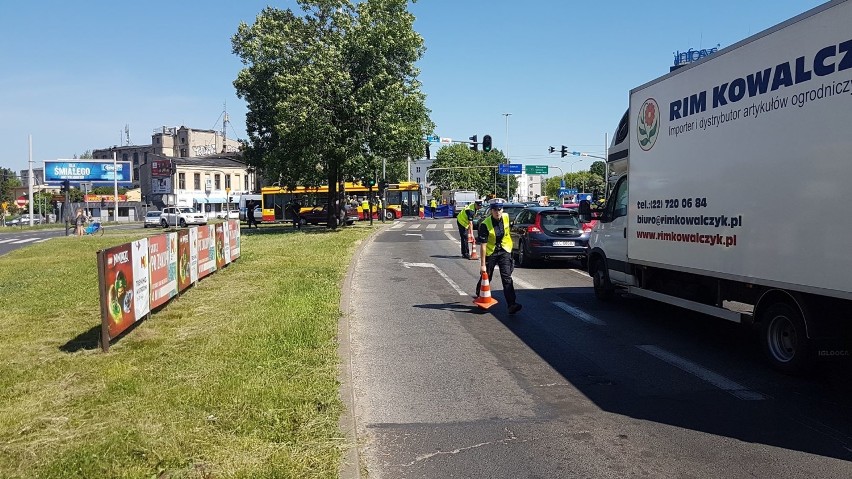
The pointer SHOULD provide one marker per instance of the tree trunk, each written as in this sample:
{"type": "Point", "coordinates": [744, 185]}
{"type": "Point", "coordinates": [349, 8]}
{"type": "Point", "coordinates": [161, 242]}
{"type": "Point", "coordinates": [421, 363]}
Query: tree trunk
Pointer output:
{"type": "Point", "coordinates": [333, 209]}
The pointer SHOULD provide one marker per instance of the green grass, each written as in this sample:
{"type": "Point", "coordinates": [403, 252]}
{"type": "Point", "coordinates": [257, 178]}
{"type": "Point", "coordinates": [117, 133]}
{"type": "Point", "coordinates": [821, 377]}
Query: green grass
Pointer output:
{"type": "Point", "coordinates": [236, 378]}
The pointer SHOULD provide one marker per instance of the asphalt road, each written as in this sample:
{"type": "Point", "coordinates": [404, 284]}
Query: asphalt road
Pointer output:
{"type": "Point", "coordinates": [12, 238]}
{"type": "Point", "coordinates": [570, 386]}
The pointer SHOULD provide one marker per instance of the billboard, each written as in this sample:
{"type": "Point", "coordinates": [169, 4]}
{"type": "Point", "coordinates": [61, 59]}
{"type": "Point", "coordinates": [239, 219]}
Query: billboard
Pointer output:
{"type": "Point", "coordinates": [124, 285]}
{"type": "Point", "coordinates": [162, 260]}
{"type": "Point", "coordinates": [99, 172]}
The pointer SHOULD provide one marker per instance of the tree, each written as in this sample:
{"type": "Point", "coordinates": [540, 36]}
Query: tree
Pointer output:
{"type": "Point", "coordinates": [331, 92]}
{"type": "Point", "coordinates": [87, 155]}
{"type": "Point", "coordinates": [8, 181]}
{"type": "Point", "coordinates": [598, 168]}
{"type": "Point", "coordinates": [469, 170]}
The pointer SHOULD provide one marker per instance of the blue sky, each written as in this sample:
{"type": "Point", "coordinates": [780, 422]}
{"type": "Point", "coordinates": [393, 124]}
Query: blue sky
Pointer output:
{"type": "Point", "coordinates": [75, 73]}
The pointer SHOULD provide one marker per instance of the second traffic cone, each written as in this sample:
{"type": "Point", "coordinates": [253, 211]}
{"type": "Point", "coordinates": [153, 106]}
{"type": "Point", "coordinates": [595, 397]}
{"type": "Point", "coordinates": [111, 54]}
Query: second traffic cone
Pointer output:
{"type": "Point", "coordinates": [484, 300]}
{"type": "Point", "coordinates": [472, 241]}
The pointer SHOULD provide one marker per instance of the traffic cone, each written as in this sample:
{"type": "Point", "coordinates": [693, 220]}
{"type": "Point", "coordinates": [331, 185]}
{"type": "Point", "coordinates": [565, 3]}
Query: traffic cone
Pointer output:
{"type": "Point", "coordinates": [484, 300]}
{"type": "Point", "coordinates": [472, 241]}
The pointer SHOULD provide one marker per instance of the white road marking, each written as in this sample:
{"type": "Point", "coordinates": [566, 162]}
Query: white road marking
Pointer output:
{"type": "Point", "coordinates": [443, 275]}
{"type": "Point", "coordinates": [523, 284]}
{"type": "Point", "coordinates": [43, 239]}
{"type": "Point", "coordinates": [451, 237]}
{"type": "Point", "coordinates": [8, 240]}
{"type": "Point", "coordinates": [415, 226]}
{"type": "Point", "coordinates": [732, 387]}
{"type": "Point", "coordinates": [578, 313]}
{"type": "Point", "coordinates": [431, 227]}
{"type": "Point", "coordinates": [579, 272]}
{"type": "Point", "coordinates": [448, 226]}
{"type": "Point", "coordinates": [414, 234]}
{"type": "Point", "coordinates": [25, 240]}
{"type": "Point", "coordinates": [397, 225]}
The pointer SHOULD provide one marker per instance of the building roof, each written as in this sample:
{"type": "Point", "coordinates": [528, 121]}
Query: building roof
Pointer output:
{"type": "Point", "coordinates": [209, 161]}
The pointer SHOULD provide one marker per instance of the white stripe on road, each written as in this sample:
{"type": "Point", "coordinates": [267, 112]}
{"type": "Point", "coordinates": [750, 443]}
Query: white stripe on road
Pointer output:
{"type": "Point", "coordinates": [415, 226]}
{"type": "Point", "coordinates": [443, 275]}
{"type": "Point", "coordinates": [732, 387]}
{"type": "Point", "coordinates": [26, 240]}
{"type": "Point", "coordinates": [397, 225]}
{"type": "Point", "coordinates": [451, 237]}
{"type": "Point", "coordinates": [431, 227]}
{"type": "Point", "coordinates": [579, 272]}
{"type": "Point", "coordinates": [523, 284]}
{"type": "Point", "coordinates": [8, 240]}
{"type": "Point", "coordinates": [579, 314]}
{"type": "Point", "coordinates": [448, 226]}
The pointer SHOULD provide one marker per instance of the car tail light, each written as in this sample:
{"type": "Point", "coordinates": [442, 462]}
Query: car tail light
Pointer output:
{"type": "Point", "coordinates": [535, 227]}
{"type": "Point", "coordinates": [587, 228]}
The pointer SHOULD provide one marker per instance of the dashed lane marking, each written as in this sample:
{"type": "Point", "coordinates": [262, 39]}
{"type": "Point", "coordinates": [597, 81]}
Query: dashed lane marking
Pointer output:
{"type": "Point", "coordinates": [731, 387]}
{"type": "Point", "coordinates": [579, 314]}
{"type": "Point", "coordinates": [443, 274]}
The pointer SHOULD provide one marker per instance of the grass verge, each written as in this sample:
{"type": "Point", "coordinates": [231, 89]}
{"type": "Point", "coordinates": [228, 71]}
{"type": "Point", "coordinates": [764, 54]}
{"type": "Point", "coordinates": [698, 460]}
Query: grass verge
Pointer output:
{"type": "Point", "coordinates": [236, 378]}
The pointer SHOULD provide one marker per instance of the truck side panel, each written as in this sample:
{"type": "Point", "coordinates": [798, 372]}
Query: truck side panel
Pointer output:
{"type": "Point", "coordinates": [740, 166]}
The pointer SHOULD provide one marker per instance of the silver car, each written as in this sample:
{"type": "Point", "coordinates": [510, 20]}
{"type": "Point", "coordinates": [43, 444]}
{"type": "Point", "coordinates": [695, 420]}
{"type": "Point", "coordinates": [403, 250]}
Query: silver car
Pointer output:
{"type": "Point", "coordinates": [152, 219]}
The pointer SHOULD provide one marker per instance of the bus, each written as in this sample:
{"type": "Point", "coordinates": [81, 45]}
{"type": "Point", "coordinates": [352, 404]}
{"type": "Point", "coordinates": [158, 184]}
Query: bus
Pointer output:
{"type": "Point", "coordinates": [403, 199]}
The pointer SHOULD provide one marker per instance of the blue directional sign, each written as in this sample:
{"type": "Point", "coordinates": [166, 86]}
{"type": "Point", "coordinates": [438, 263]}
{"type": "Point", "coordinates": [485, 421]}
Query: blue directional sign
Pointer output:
{"type": "Point", "coordinates": [510, 169]}
{"type": "Point", "coordinates": [433, 138]}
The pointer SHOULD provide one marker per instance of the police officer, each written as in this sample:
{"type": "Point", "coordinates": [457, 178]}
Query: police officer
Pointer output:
{"type": "Point", "coordinates": [365, 208]}
{"type": "Point", "coordinates": [433, 205]}
{"type": "Point", "coordinates": [463, 221]}
{"type": "Point", "coordinates": [496, 250]}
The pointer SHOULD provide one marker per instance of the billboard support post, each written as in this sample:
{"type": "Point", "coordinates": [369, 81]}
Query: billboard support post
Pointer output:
{"type": "Point", "coordinates": [115, 186]}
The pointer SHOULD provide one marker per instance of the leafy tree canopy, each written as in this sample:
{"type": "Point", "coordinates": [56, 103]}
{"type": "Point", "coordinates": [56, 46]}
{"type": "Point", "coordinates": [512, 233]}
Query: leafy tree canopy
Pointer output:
{"type": "Point", "coordinates": [458, 167]}
{"type": "Point", "coordinates": [331, 91]}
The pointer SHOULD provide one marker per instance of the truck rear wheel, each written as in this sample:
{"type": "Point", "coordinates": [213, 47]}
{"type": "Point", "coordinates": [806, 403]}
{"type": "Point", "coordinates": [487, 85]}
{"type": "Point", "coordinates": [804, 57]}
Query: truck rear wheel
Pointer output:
{"type": "Point", "coordinates": [784, 338]}
{"type": "Point", "coordinates": [600, 281]}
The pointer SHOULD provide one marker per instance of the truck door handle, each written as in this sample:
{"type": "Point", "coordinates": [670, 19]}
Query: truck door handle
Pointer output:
{"type": "Point", "coordinates": [625, 232]}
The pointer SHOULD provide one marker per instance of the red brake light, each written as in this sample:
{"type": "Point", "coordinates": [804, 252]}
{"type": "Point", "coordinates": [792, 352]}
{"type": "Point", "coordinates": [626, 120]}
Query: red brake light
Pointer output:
{"type": "Point", "coordinates": [535, 227]}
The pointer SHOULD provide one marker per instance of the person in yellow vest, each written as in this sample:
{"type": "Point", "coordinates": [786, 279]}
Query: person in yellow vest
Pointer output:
{"type": "Point", "coordinates": [464, 223]}
{"type": "Point", "coordinates": [433, 205]}
{"type": "Point", "coordinates": [379, 208]}
{"type": "Point", "coordinates": [496, 250]}
{"type": "Point", "coordinates": [365, 208]}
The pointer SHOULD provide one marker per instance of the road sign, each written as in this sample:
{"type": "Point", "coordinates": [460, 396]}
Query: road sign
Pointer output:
{"type": "Point", "coordinates": [21, 201]}
{"type": "Point", "coordinates": [433, 138]}
{"type": "Point", "coordinates": [510, 169]}
{"type": "Point", "coordinates": [446, 141]}
{"type": "Point", "coordinates": [536, 169]}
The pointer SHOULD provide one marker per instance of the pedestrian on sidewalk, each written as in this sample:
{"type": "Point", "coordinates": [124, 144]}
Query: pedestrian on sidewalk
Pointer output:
{"type": "Point", "coordinates": [496, 250]}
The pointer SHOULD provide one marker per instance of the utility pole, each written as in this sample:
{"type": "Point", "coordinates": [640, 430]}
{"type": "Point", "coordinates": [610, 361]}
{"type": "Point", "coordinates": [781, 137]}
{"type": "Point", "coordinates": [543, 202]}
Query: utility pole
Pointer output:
{"type": "Point", "coordinates": [507, 115]}
{"type": "Point", "coordinates": [115, 186]}
{"type": "Point", "coordinates": [30, 180]}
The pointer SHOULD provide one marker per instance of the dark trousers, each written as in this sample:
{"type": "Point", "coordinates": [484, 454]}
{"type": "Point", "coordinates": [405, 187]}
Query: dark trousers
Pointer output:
{"type": "Point", "coordinates": [504, 260]}
{"type": "Point", "coordinates": [465, 246]}
{"type": "Point", "coordinates": [433, 212]}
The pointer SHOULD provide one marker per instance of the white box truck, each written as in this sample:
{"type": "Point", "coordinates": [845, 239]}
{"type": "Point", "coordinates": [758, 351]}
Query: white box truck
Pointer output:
{"type": "Point", "coordinates": [725, 175]}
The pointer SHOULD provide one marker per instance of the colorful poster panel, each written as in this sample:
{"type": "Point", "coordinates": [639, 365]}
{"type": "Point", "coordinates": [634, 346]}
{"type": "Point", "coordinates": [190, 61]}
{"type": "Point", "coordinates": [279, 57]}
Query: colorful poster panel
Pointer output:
{"type": "Point", "coordinates": [141, 285]}
{"type": "Point", "coordinates": [183, 263]}
{"type": "Point", "coordinates": [193, 254]}
{"type": "Point", "coordinates": [117, 283]}
{"type": "Point", "coordinates": [206, 250]}
{"type": "Point", "coordinates": [234, 238]}
{"type": "Point", "coordinates": [226, 234]}
{"type": "Point", "coordinates": [162, 260]}
{"type": "Point", "coordinates": [219, 228]}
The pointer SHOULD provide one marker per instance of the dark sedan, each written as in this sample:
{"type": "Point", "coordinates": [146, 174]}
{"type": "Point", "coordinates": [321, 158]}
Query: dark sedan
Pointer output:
{"type": "Point", "coordinates": [319, 215]}
{"type": "Point", "coordinates": [547, 233]}
{"type": "Point", "coordinates": [511, 209]}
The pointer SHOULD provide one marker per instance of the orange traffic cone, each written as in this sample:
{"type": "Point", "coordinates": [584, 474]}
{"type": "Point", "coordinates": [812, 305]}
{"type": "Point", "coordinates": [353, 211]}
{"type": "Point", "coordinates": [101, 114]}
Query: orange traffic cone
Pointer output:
{"type": "Point", "coordinates": [484, 300]}
{"type": "Point", "coordinates": [472, 241]}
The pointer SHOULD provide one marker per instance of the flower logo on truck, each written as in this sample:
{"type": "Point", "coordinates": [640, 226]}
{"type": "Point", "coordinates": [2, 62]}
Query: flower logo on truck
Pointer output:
{"type": "Point", "coordinates": [648, 124]}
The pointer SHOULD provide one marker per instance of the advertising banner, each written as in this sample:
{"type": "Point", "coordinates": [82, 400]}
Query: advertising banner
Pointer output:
{"type": "Point", "coordinates": [162, 251]}
{"type": "Point", "coordinates": [234, 238]}
{"type": "Point", "coordinates": [219, 229]}
{"type": "Point", "coordinates": [161, 186]}
{"type": "Point", "coordinates": [184, 277]}
{"type": "Point", "coordinates": [206, 250]}
{"type": "Point", "coordinates": [226, 234]}
{"type": "Point", "coordinates": [99, 172]}
{"type": "Point", "coordinates": [141, 279]}
{"type": "Point", "coordinates": [116, 281]}
{"type": "Point", "coordinates": [193, 254]}
{"type": "Point", "coordinates": [161, 168]}
{"type": "Point", "coordinates": [98, 198]}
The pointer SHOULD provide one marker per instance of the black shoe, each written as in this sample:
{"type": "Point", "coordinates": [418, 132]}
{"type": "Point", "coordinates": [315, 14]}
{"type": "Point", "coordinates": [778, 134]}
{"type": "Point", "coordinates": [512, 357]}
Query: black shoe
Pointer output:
{"type": "Point", "coordinates": [515, 308]}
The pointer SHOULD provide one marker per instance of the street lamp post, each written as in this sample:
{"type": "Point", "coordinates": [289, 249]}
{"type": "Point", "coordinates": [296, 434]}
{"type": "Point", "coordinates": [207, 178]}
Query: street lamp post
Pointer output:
{"type": "Point", "coordinates": [507, 115]}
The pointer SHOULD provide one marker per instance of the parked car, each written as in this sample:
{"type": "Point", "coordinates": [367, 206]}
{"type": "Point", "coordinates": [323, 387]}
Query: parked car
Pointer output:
{"type": "Point", "coordinates": [548, 233]}
{"type": "Point", "coordinates": [181, 216]}
{"type": "Point", "coordinates": [511, 209]}
{"type": "Point", "coordinates": [24, 220]}
{"type": "Point", "coordinates": [319, 215]}
{"type": "Point", "coordinates": [231, 215]}
{"type": "Point", "coordinates": [152, 219]}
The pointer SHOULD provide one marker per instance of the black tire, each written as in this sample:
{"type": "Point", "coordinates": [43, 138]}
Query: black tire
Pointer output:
{"type": "Point", "coordinates": [600, 281]}
{"type": "Point", "coordinates": [524, 260]}
{"type": "Point", "coordinates": [784, 340]}
{"type": "Point", "coordinates": [164, 224]}
{"type": "Point", "coordinates": [182, 223]}
{"type": "Point", "coordinates": [389, 216]}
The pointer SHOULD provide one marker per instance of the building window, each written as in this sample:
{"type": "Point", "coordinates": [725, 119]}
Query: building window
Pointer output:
{"type": "Point", "coordinates": [182, 181]}
{"type": "Point", "coordinates": [145, 157]}
{"type": "Point", "coordinates": [217, 181]}
{"type": "Point", "coordinates": [135, 174]}
{"type": "Point", "coordinates": [245, 187]}
{"type": "Point", "coordinates": [418, 170]}
{"type": "Point", "coordinates": [135, 159]}
{"type": "Point", "coordinates": [182, 140]}
{"type": "Point", "coordinates": [197, 181]}
{"type": "Point", "coordinates": [124, 157]}
{"type": "Point", "coordinates": [158, 140]}
{"type": "Point", "coordinates": [228, 181]}
{"type": "Point", "coordinates": [237, 180]}
{"type": "Point", "coordinates": [418, 179]}
{"type": "Point", "coordinates": [183, 152]}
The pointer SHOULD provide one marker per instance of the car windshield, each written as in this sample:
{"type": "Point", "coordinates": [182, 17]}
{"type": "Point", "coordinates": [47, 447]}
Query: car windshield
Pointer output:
{"type": "Point", "coordinates": [153, 214]}
{"type": "Point", "coordinates": [187, 210]}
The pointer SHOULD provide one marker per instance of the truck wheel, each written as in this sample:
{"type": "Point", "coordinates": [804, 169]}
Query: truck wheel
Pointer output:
{"type": "Point", "coordinates": [600, 281]}
{"type": "Point", "coordinates": [164, 224]}
{"type": "Point", "coordinates": [182, 223]}
{"type": "Point", "coordinates": [784, 340]}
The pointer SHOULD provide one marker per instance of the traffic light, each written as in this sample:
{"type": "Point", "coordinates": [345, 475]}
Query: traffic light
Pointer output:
{"type": "Point", "coordinates": [383, 185]}
{"type": "Point", "coordinates": [486, 143]}
{"type": "Point", "coordinates": [66, 186]}
{"type": "Point", "coordinates": [473, 144]}
{"type": "Point", "coordinates": [551, 149]}
{"type": "Point", "coordinates": [564, 151]}
{"type": "Point", "coordinates": [428, 153]}
{"type": "Point", "coordinates": [371, 182]}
